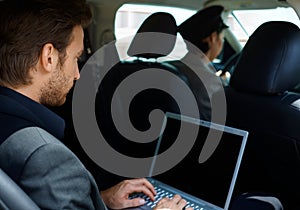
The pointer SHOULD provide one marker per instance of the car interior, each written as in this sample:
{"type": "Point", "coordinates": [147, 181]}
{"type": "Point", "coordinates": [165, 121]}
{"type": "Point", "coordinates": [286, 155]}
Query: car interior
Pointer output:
{"type": "Point", "coordinates": [259, 62]}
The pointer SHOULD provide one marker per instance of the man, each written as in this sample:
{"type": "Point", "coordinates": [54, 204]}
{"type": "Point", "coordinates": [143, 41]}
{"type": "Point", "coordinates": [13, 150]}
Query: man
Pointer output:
{"type": "Point", "coordinates": [40, 43]}
{"type": "Point", "coordinates": [202, 34]}
{"type": "Point", "coordinates": [204, 30]}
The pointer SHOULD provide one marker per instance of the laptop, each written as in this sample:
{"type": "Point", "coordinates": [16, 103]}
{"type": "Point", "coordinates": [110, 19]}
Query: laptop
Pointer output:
{"type": "Point", "coordinates": [198, 160]}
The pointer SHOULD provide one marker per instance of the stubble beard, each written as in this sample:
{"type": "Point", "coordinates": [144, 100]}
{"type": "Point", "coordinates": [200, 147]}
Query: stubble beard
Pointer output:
{"type": "Point", "coordinates": [55, 91]}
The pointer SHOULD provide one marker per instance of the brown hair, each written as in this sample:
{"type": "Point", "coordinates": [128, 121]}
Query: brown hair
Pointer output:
{"type": "Point", "coordinates": [27, 25]}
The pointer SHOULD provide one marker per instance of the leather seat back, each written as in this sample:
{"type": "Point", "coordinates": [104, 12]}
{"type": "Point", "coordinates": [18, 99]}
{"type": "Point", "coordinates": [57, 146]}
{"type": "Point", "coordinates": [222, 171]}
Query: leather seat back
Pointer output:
{"type": "Point", "coordinates": [258, 101]}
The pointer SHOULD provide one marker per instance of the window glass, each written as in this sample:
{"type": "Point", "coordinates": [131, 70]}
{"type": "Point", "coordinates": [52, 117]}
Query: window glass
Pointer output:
{"type": "Point", "coordinates": [244, 22]}
{"type": "Point", "coordinates": [129, 17]}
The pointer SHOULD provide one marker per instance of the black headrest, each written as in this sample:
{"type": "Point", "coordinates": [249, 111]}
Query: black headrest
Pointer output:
{"type": "Point", "coordinates": [155, 38]}
{"type": "Point", "coordinates": [270, 60]}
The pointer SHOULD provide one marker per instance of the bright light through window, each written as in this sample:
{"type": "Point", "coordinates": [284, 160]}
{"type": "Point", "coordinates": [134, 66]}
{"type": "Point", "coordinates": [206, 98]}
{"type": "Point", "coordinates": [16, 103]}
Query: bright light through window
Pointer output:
{"type": "Point", "coordinates": [241, 22]}
{"type": "Point", "coordinates": [129, 18]}
{"type": "Point", "coordinates": [248, 20]}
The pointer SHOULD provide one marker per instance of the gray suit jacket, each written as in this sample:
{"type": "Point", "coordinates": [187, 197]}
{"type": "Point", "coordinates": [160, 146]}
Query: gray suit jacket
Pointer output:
{"type": "Point", "coordinates": [52, 176]}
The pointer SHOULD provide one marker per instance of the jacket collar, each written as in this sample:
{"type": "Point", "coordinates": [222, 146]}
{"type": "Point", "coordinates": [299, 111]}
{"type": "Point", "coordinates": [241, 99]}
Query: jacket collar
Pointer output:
{"type": "Point", "coordinates": [20, 106]}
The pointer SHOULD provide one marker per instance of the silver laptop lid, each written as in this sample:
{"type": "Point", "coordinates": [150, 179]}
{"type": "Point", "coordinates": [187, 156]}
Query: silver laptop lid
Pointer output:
{"type": "Point", "coordinates": [183, 143]}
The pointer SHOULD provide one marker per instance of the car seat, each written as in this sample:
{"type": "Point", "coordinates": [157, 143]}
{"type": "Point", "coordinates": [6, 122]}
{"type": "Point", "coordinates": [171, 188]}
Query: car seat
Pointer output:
{"type": "Point", "coordinates": [12, 197]}
{"type": "Point", "coordinates": [258, 101]}
{"type": "Point", "coordinates": [154, 39]}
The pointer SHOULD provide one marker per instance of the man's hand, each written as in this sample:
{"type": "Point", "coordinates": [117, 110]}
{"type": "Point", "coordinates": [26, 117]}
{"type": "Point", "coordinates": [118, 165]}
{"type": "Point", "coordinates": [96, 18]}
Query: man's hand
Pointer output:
{"type": "Point", "coordinates": [176, 203]}
{"type": "Point", "coordinates": [117, 197]}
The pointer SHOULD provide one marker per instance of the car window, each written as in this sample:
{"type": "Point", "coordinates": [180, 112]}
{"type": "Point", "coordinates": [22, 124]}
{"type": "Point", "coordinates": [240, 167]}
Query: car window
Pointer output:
{"type": "Point", "coordinates": [129, 17]}
{"type": "Point", "coordinates": [244, 22]}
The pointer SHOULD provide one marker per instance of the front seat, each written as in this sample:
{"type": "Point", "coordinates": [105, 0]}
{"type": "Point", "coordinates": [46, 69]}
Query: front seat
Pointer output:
{"type": "Point", "coordinates": [12, 197]}
{"type": "Point", "coordinates": [146, 47]}
{"type": "Point", "coordinates": [138, 79]}
{"type": "Point", "coordinates": [258, 101]}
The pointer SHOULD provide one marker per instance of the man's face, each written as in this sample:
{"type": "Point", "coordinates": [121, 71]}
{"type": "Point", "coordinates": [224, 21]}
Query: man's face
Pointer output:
{"type": "Point", "coordinates": [62, 79]}
{"type": "Point", "coordinates": [220, 42]}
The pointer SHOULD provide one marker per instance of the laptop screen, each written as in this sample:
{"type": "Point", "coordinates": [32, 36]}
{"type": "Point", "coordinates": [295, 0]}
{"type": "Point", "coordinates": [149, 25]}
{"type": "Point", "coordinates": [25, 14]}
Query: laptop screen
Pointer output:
{"type": "Point", "coordinates": [214, 179]}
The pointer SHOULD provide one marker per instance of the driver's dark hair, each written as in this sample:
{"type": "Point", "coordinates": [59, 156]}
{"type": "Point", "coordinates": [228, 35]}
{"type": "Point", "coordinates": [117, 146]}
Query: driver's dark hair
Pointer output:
{"type": "Point", "coordinates": [27, 25]}
{"type": "Point", "coordinates": [203, 45]}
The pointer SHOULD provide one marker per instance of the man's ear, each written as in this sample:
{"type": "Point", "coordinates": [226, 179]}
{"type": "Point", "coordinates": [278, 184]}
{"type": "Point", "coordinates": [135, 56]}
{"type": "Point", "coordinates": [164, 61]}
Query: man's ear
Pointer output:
{"type": "Point", "coordinates": [212, 37]}
{"type": "Point", "coordinates": [49, 57]}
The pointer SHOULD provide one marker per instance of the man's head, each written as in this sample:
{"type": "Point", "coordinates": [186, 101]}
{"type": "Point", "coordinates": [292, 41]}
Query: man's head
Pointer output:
{"type": "Point", "coordinates": [203, 26]}
{"type": "Point", "coordinates": [29, 29]}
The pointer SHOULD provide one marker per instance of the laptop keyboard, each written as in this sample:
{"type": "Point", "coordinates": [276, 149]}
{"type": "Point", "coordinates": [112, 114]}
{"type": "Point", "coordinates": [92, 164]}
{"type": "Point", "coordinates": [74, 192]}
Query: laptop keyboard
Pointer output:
{"type": "Point", "coordinates": [161, 193]}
